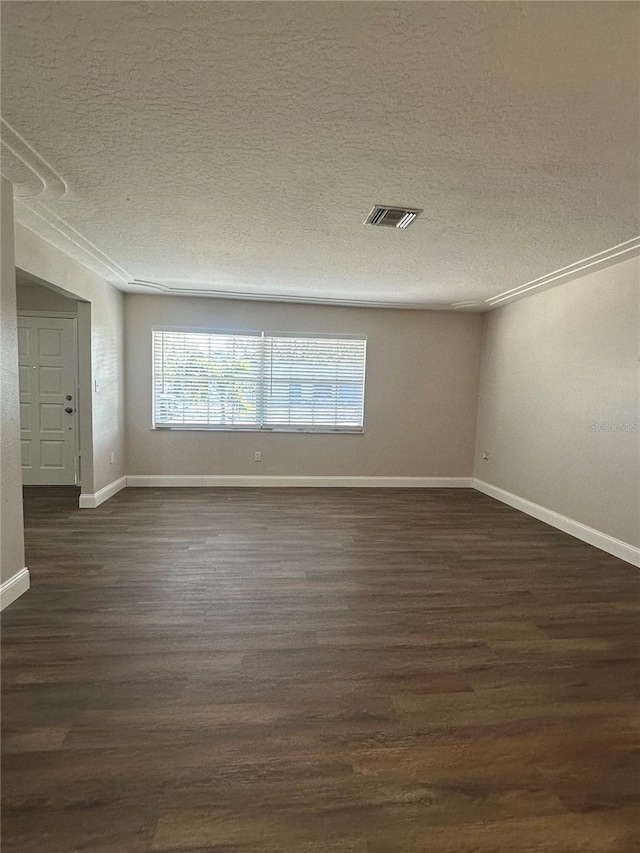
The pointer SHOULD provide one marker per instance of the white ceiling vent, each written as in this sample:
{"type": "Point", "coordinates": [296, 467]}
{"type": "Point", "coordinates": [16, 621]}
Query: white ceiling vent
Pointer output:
{"type": "Point", "coordinates": [392, 217]}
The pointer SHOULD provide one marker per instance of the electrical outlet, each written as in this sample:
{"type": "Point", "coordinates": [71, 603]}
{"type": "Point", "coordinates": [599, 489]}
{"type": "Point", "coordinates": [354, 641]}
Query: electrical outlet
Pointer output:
{"type": "Point", "coordinates": [112, 457]}
{"type": "Point", "coordinates": [485, 456]}
{"type": "Point", "coordinates": [257, 456]}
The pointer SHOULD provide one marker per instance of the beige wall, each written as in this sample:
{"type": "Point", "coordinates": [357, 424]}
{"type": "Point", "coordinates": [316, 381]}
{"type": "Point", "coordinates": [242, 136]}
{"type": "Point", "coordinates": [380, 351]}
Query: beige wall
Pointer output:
{"type": "Point", "coordinates": [559, 379]}
{"type": "Point", "coordinates": [420, 407]}
{"type": "Point", "coordinates": [12, 548]}
{"type": "Point", "coordinates": [100, 332]}
{"type": "Point", "coordinates": [36, 297]}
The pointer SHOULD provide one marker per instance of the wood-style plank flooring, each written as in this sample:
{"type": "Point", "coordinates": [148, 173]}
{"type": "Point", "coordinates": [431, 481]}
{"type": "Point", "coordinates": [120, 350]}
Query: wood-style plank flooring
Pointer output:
{"type": "Point", "coordinates": [317, 671]}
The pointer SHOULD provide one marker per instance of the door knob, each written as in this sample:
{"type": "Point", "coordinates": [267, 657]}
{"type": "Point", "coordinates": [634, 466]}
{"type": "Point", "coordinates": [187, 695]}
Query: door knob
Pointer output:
{"type": "Point", "coordinates": [69, 410]}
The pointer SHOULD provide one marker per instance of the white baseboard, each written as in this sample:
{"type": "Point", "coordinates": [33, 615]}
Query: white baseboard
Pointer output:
{"type": "Point", "coordinates": [138, 480]}
{"type": "Point", "coordinates": [620, 549]}
{"type": "Point", "coordinates": [14, 587]}
{"type": "Point", "coordinates": [88, 501]}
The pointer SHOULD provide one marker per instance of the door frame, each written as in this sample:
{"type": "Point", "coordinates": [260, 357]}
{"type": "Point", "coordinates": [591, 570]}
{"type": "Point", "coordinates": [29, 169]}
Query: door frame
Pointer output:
{"type": "Point", "coordinates": [68, 315]}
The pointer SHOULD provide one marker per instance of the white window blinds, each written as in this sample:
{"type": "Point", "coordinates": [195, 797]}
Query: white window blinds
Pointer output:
{"type": "Point", "coordinates": [258, 381]}
{"type": "Point", "coordinates": [203, 380]}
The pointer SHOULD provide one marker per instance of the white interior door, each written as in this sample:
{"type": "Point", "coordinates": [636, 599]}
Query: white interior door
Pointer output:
{"type": "Point", "coordinates": [48, 418]}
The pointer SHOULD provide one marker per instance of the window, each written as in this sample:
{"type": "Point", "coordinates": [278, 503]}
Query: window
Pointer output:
{"type": "Point", "coordinates": [256, 381]}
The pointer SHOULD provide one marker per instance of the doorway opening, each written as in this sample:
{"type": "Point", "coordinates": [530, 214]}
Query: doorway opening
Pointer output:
{"type": "Point", "coordinates": [51, 392]}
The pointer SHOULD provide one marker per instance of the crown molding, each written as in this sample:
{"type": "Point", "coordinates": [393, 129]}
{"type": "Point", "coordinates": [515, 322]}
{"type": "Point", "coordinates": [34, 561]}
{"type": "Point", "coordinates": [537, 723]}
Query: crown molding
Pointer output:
{"type": "Point", "coordinates": [466, 305]}
{"type": "Point", "coordinates": [51, 185]}
{"type": "Point", "coordinates": [168, 290]}
{"type": "Point", "coordinates": [32, 211]}
{"type": "Point", "coordinates": [34, 214]}
{"type": "Point", "coordinates": [630, 248]}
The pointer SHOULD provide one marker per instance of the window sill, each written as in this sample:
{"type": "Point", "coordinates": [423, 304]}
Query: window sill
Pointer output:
{"type": "Point", "coordinates": [304, 430]}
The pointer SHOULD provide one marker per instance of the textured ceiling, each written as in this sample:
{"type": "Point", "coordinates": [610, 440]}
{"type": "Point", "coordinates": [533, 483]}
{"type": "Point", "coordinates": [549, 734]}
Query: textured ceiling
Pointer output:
{"type": "Point", "coordinates": [238, 147]}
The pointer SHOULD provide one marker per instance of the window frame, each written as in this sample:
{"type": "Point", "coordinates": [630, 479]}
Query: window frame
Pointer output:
{"type": "Point", "coordinates": [261, 428]}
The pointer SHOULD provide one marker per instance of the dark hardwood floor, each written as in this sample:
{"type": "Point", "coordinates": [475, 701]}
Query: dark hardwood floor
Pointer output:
{"type": "Point", "coordinates": [317, 671]}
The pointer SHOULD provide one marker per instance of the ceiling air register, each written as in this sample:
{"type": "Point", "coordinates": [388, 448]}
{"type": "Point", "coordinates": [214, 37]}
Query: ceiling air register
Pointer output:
{"type": "Point", "coordinates": [392, 217]}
